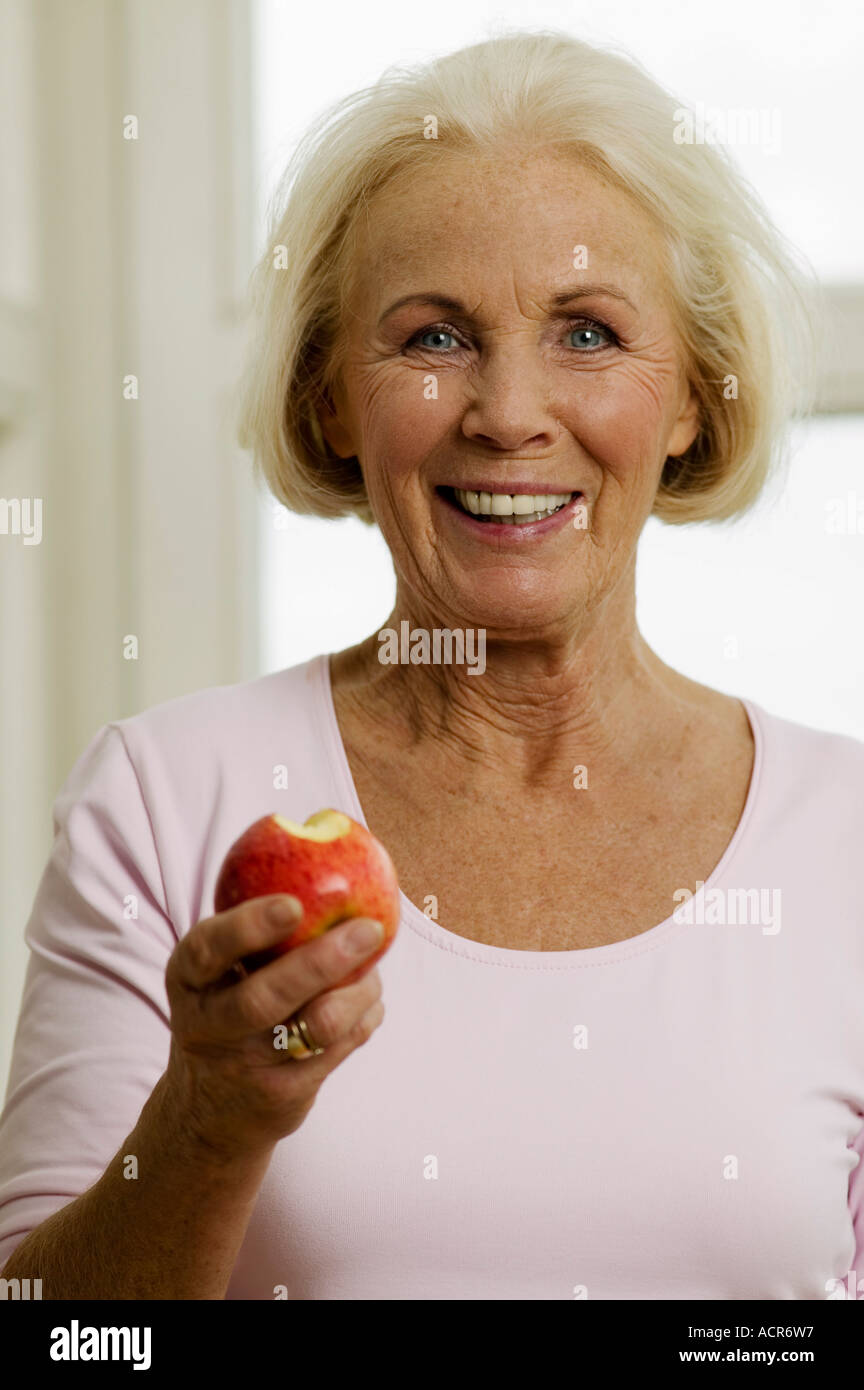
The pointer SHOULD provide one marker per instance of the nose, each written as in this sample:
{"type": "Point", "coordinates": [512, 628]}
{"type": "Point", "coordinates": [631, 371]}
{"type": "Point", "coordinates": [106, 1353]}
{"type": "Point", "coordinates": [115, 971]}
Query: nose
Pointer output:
{"type": "Point", "coordinates": [511, 406]}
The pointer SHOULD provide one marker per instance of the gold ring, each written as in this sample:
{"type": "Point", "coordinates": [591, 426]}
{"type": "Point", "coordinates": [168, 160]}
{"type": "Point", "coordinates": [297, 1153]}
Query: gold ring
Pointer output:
{"type": "Point", "coordinates": [300, 1045]}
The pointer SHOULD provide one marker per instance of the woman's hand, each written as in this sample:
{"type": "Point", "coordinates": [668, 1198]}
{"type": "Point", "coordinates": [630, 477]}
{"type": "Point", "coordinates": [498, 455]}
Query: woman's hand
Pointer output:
{"type": "Point", "coordinates": [238, 1092]}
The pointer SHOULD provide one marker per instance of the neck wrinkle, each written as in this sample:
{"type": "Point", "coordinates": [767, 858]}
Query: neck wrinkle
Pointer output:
{"type": "Point", "coordinates": [536, 704]}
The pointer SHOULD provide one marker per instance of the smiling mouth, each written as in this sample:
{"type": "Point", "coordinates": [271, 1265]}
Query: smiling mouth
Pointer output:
{"type": "Point", "coordinates": [511, 509]}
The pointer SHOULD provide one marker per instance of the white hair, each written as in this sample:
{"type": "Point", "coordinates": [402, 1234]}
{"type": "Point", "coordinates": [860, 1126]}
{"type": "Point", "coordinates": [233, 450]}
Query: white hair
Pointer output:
{"type": "Point", "coordinates": [742, 302]}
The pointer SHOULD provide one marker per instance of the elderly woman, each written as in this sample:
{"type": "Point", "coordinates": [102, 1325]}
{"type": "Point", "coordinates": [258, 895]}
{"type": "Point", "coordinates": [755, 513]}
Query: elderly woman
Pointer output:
{"type": "Point", "coordinates": [507, 315]}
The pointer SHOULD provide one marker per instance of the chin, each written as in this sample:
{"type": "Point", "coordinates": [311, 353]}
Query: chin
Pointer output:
{"type": "Point", "coordinates": [514, 607]}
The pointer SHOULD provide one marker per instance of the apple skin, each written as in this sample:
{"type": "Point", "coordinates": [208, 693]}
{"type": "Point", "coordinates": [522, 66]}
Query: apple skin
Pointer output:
{"type": "Point", "coordinates": [349, 875]}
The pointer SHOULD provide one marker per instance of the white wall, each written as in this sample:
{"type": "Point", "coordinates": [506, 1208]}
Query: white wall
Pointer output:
{"type": "Point", "coordinates": [123, 257]}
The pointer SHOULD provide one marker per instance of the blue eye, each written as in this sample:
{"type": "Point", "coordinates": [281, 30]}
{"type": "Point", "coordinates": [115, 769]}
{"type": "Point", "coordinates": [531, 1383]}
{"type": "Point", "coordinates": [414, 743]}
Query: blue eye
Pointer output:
{"type": "Point", "coordinates": [591, 337]}
{"type": "Point", "coordinates": [587, 331]}
{"type": "Point", "coordinates": [434, 333]}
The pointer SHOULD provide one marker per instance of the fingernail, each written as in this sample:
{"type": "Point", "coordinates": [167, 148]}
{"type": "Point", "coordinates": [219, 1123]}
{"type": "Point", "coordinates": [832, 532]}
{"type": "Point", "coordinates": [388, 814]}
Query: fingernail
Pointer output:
{"type": "Point", "coordinates": [284, 910]}
{"type": "Point", "coordinates": [363, 936]}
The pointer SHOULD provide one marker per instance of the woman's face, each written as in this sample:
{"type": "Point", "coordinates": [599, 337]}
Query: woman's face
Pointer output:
{"type": "Point", "coordinates": [480, 360]}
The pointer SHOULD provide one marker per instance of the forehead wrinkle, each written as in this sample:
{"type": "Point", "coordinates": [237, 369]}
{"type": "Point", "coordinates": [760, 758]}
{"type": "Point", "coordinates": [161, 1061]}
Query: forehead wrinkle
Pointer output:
{"type": "Point", "coordinates": [390, 249]}
{"type": "Point", "coordinates": [397, 258]}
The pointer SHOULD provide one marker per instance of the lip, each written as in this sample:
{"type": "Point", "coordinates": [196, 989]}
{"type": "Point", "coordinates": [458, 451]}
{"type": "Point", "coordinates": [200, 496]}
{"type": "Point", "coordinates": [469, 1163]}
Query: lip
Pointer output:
{"type": "Point", "coordinates": [505, 532]}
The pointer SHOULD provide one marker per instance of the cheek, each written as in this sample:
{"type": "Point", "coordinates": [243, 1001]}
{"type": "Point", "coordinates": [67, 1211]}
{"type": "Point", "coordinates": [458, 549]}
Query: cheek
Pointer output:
{"type": "Point", "coordinates": [402, 421]}
{"type": "Point", "coordinates": [620, 419]}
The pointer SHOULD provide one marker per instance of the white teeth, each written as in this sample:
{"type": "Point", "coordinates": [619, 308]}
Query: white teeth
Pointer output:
{"type": "Point", "coordinates": [516, 508]}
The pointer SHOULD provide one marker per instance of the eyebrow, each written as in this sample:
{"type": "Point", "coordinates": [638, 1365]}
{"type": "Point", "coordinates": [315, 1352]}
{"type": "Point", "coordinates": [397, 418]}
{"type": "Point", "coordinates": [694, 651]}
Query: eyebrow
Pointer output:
{"type": "Point", "coordinates": [558, 301]}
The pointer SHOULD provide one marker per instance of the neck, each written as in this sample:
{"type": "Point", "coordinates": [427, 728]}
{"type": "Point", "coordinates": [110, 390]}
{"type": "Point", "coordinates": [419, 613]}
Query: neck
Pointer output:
{"type": "Point", "coordinates": [534, 702]}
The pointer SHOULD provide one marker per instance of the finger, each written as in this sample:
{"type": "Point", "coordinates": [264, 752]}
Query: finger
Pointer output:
{"type": "Point", "coordinates": [331, 1015]}
{"type": "Point", "coordinates": [266, 998]}
{"type": "Point", "coordinates": [214, 944]}
{"type": "Point", "coordinates": [334, 1054]}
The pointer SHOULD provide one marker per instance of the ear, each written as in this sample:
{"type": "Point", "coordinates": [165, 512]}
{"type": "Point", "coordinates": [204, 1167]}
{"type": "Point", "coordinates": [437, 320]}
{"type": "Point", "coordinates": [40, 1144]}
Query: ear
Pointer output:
{"type": "Point", "coordinates": [686, 427]}
{"type": "Point", "coordinates": [332, 419]}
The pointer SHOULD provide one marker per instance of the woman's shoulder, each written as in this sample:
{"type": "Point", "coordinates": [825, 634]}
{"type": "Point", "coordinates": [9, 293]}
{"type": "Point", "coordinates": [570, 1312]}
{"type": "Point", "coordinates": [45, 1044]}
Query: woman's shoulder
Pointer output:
{"type": "Point", "coordinates": [193, 746]}
{"type": "Point", "coordinates": [157, 798]}
{"type": "Point", "coordinates": [816, 771]}
{"type": "Point", "coordinates": [787, 734]}
{"type": "Point", "coordinates": [280, 699]}
{"type": "Point", "coordinates": [779, 735]}
{"type": "Point", "coordinates": [796, 765]}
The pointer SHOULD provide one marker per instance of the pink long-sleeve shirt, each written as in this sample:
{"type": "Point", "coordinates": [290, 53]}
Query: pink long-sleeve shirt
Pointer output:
{"type": "Point", "coordinates": [679, 1115]}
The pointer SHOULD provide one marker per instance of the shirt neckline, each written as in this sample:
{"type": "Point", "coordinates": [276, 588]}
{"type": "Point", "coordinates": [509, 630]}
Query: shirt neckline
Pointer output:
{"type": "Point", "coordinates": [579, 959]}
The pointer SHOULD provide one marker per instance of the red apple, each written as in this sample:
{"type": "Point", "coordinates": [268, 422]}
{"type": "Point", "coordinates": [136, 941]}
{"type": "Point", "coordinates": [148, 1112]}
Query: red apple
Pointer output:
{"type": "Point", "coordinates": [333, 865]}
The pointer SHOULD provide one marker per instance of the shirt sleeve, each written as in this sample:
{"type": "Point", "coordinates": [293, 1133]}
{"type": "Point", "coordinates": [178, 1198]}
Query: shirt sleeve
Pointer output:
{"type": "Point", "coordinates": [93, 1032]}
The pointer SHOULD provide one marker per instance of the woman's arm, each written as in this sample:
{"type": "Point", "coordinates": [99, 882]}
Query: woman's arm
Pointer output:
{"type": "Point", "coordinates": [173, 1231]}
{"type": "Point", "coordinates": [206, 1134]}
{"type": "Point", "coordinates": [127, 1031]}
